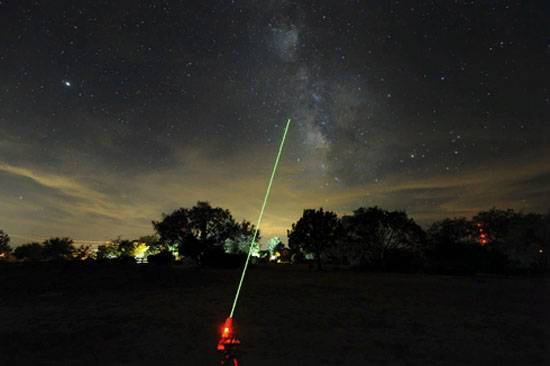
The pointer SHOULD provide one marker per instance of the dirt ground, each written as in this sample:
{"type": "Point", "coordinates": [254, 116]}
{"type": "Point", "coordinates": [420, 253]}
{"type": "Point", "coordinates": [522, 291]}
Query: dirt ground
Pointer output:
{"type": "Point", "coordinates": [142, 315]}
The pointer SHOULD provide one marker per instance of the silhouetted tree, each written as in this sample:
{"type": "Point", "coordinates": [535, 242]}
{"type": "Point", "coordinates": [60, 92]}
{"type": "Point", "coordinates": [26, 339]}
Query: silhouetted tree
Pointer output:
{"type": "Point", "coordinates": [316, 232]}
{"type": "Point", "coordinates": [109, 250]}
{"type": "Point", "coordinates": [58, 249]}
{"type": "Point", "coordinates": [83, 252]}
{"type": "Point", "coordinates": [197, 230]}
{"type": "Point", "coordinates": [517, 236]}
{"type": "Point", "coordinates": [121, 250]}
{"type": "Point", "coordinates": [126, 247]}
{"type": "Point", "coordinates": [284, 255]}
{"type": "Point", "coordinates": [382, 239]}
{"type": "Point", "coordinates": [150, 240]}
{"type": "Point", "coordinates": [177, 228]}
{"type": "Point", "coordinates": [5, 248]}
{"type": "Point", "coordinates": [452, 232]}
{"type": "Point", "coordinates": [454, 247]}
{"type": "Point", "coordinates": [31, 252]}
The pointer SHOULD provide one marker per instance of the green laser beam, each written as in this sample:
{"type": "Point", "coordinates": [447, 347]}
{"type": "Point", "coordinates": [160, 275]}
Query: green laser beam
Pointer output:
{"type": "Point", "coordinates": [253, 242]}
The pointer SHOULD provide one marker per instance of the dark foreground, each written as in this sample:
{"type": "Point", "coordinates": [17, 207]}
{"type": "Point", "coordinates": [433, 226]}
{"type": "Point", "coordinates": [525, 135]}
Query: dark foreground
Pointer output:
{"type": "Point", "coordinates": [141, 315]}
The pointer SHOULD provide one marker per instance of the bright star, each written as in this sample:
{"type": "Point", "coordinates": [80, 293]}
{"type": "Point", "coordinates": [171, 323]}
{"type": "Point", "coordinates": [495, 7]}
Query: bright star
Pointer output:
{"type": "Point", "coordinates": [67, 83]}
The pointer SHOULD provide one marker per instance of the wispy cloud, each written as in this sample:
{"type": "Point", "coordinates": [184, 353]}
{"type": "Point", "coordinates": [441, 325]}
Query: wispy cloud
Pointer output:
{"type": "Point", "coordinates": [127, 206]}
{"type": "Point", "coordinates": [61, 183]}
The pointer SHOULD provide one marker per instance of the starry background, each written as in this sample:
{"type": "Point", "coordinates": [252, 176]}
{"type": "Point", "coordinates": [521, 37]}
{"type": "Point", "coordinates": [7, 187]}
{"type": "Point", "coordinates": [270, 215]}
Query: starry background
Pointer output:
{"type": "Point", "coordinates": [114, 112]}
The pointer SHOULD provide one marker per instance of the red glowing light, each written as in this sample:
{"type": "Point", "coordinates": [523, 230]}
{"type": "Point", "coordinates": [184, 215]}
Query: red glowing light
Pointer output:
{"type": "Point", "coordinates": [227, 328]}
{"type": "Point", "coordinates": [228, 341]}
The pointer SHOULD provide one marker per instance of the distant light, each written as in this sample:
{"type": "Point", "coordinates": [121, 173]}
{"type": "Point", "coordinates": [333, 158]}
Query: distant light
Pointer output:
{"type": "Point", "coordinates": [541, 251]}
{"type": "Point", "coordinates": [67, 83]}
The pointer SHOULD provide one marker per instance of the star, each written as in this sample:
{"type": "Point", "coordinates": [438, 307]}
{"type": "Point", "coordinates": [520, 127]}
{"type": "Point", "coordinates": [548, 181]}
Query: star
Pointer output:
{"type": "Point", "coordinates": [67, 83]}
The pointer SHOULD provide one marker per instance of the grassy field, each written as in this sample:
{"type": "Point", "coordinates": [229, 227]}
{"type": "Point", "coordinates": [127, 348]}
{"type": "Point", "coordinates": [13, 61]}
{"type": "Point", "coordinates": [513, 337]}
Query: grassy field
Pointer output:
{"type": "Point", "coordinates": [109, 315]}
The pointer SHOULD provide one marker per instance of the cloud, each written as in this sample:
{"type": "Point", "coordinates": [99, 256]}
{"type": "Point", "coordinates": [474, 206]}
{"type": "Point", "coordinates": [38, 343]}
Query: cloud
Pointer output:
{"type": "Point", "coordinates": [126, 205]}
{"type": "Point", "coordinates": [63, 184]}
{"type": "Point", "coordinates": [66, 204]}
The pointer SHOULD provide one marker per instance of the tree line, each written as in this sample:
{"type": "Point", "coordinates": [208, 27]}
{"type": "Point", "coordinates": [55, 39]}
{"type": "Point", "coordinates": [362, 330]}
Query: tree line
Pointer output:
{"type": "Point", "coordinates": [494, 241]}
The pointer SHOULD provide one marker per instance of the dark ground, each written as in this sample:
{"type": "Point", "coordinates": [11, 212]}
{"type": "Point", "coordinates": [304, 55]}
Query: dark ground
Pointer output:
{"type": "Point", "coordinates": [109, 315]}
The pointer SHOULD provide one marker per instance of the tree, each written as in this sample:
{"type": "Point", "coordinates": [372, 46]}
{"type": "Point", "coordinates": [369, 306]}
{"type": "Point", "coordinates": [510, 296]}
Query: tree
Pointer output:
{"type": "Point", "coordinates": [382, 239]}
{"type": "Point", "coordinates": [454, 247]}
{"type": "Point", "coordinates": [122, 250]}
{"type": "Point", "coordinates": [517, 236]}
{"type": "Point", "coordinates": [458, 231]}
{"type": "Point", "coordinates": [212, 225]}
{"type": "Point", "coordinates": [139, 250]}
{"type": "Point", "coordinates": [274, 246]}
{"type": "Point", "coordinates": [5, 248]}
{"type": "Point", "coordinates": [239, 243]}
{"type": "Point", "coordinates": [109, 250]}
{"type": "Point", "coordinates": [177, 228]}
{"type": "Point", "coordinates": [58, 249]}
{"type": "Point", "coordinates": [198, 230]}
{"type": "Point", "coordinates": [83, 252]}
{"type": "Point", "coordinates": [51, 249]}
{"type": "Point", "coordinates": [316, 231]}
{"type": "Point", "coordinates": [126, 247]}
{"type": "Point", "coordinates": [153, 243]}
{"type": "Point", "coordinates": [497, 223]}
{"type": "Point", "coordinates": [32, 252]}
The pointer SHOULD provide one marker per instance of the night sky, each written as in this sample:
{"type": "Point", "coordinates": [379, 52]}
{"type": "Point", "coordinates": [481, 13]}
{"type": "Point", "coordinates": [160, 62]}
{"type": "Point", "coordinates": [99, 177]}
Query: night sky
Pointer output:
{"type": "Point", "coordinates": [112, 112]}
